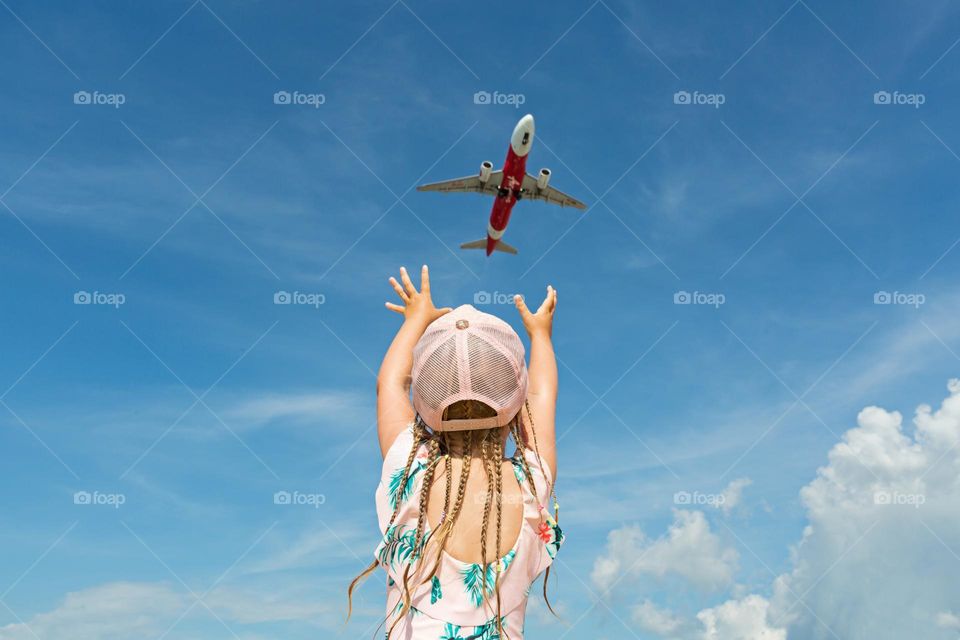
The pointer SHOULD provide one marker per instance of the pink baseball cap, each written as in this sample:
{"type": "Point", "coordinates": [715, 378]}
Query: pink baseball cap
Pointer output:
{"type": "Point", "coordinates": [469, 355]}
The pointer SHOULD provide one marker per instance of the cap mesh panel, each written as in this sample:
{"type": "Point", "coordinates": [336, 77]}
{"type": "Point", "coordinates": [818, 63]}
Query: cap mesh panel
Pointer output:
{"type": "Point", "coordinates": [491, 373]}
{"type": "Point", "coordinates": [438, 378]}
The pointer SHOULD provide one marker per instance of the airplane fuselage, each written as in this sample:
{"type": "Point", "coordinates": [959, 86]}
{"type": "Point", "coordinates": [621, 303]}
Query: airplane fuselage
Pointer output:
{"type": "Point", "coordinates": [514, 171]}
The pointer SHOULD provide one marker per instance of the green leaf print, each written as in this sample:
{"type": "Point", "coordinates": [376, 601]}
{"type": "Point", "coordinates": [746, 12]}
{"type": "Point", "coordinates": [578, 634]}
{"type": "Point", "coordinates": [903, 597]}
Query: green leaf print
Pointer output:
{"type": "Point", "coordinates": [474, 583]}
{"type": "Point", "coordinates": [489, 631]}
{"type": "Point", "coordinates": [451, 632]}
{"type": "Point", "coordinates": [405, 550]}
{"type": "Point", "coordinates": [435, 592]}
{"type": "Point", "coordinates": [518, 471]}
{"type": "Point", "coordinates": [398, 493]}
{"type": "Point", "coordinates": [397, 546]}
{"type": "Point", "coordinates": [477, 584]}
{"type": "Point", "coordinates": [384, 551]}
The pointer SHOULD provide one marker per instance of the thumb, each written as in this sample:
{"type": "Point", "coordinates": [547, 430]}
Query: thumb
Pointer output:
{"type": "Point", "coordinates": [521, 306]}
{"type": "Point", "coordinates": [444, 311]}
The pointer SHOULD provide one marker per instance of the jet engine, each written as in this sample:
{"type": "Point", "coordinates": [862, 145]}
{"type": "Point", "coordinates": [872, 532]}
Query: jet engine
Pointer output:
{"type": "Point", "coordinates": [543, 179]}
{"type": "Point", "coordinates": [485, 168]}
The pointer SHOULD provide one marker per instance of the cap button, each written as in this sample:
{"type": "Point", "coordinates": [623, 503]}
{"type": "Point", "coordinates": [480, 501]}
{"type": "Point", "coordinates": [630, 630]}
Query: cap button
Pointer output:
{"type": "Point", "coordinates": [462, 324]}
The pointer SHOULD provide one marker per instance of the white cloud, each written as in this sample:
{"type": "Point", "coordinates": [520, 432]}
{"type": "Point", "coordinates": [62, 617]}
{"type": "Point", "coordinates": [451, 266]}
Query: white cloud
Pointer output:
{"type": "Point", "coordinates": [308, 407]}
{"type": "Point", "coordinates": [884, 508]}
{"type": "Point", "coordinates": [948, 620]}
{"type": "Point", "coordinates": [733, 494]}
{"type": "Point", "coordinates": [877, 560]}
{"type": "Point", "coordinates": [744, 619]}
{"type": "Point", "coordinates": [137, 610]}
{"type": "Point", "coordinates": [688, 550]}
{"type": "Point", "coordinates": [113, 611]}
{"type": "Point", "coordinates": [661, 622]}
{"type": "Point", "coordinates": [314, 547]}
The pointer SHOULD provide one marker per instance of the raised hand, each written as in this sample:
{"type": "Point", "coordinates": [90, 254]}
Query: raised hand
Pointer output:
{"type": "Point", "coordinates": [417, 305]}
{"type": "Point", "coordinates": [540, 322]}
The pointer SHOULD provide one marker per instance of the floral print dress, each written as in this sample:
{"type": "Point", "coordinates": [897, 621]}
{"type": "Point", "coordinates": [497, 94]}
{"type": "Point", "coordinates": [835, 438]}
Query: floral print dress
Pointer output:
{"type": "Point", "coordinates": [452, 606]}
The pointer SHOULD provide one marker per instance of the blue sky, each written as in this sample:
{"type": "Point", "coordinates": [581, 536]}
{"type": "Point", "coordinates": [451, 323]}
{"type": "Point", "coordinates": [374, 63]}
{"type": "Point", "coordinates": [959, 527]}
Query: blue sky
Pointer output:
{"type": "Point", "coordinates": [795, 202]}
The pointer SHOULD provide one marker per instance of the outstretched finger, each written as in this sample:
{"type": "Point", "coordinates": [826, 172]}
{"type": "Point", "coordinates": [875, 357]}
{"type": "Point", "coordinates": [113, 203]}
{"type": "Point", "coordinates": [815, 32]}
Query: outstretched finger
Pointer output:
{"type": "Point", "coordinates": [400, 292]}
{"type": "Point", "coordinates": [547, 303]}
{"type": "Point", "coordinates": [424, 280]}
{"type": "Point", "coordinates": [395, 307]}
{"type": "Point", "coordinates": [521, 306]}
{"type": "Point", "coordinates": [407, 283]}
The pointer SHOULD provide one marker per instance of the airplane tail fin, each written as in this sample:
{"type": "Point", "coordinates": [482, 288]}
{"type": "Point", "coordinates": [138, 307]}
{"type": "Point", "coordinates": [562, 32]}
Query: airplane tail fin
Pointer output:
{"type": "Point", "coordinates": [482, 244]}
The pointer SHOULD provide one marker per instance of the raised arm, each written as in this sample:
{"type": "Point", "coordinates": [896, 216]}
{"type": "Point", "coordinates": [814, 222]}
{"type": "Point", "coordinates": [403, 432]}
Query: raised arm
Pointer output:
{"type": "Point", "coordinates": [394, 409]}
{"type": "Point", "coordinates": [542, 372]}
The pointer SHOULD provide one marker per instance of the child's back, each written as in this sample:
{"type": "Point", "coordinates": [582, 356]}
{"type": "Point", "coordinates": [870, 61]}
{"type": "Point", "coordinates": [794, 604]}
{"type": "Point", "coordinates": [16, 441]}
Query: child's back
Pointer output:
{"type": "Point", "coordinates": [465, 530]}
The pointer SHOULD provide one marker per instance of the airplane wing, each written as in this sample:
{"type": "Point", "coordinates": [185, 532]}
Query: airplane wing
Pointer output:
{"type": "Point", "coordinates": [466, 184]}
{"type": "Point", "coordinates": [551, 195]}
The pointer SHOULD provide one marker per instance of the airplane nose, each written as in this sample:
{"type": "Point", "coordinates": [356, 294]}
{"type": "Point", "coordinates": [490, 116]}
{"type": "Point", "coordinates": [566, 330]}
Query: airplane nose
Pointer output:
{"type": "Point", "coordinates": [522, 136]}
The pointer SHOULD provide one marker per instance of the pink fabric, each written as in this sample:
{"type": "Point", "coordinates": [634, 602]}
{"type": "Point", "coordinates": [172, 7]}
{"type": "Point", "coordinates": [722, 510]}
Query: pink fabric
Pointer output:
{"type": "Point", "coordinates": [458, 604]}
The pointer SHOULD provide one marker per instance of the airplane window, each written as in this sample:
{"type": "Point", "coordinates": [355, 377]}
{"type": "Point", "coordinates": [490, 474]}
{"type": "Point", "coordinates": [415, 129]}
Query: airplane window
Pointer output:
{"type": "Point", "coordinates": [526, 138]}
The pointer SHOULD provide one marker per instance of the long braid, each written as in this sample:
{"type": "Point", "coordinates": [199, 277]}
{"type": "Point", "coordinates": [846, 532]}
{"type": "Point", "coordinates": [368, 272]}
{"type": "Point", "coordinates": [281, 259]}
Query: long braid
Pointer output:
{"type": "Point", "coordinates": [536, 448]}
{"type": "Point", "coordinates": [521, 442]}
{"type": "Point", "coordinates": [419, 434]}
{"type": "Point", "coordinates": [432, 461]}
{"type": "Point", "coordinates": [498, 463]}
{"type": "Point", "coordinates": [448, 473]}
{"type": "Point", "coordinates": [443, 531]}
{"type": "Point", "coordinates": [484, 447]}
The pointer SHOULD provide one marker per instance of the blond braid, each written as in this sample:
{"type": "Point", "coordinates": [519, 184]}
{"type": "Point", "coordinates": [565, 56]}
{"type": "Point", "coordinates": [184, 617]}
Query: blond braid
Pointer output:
{"type": "Point", "coordinates": [536, 448]}
{"type": "Point", "coordinates": [448, 472]}
{"type": "Point", "coordinates": [486, 513]}
{"type": "Point", "coordinates": [432, 461]}
{"type": "Point", "coordinates": [521, 442]}
{"type": "Point", "coordinates": [498, 450]}
{"type": "Point", "coordinates": [419, 434]}
{"type": "Point", "coordinates": [446, 527]}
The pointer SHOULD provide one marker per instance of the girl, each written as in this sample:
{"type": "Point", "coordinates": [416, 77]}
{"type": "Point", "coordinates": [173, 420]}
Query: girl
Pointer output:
{"type": "Point", "coordinates": [465, 529]}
